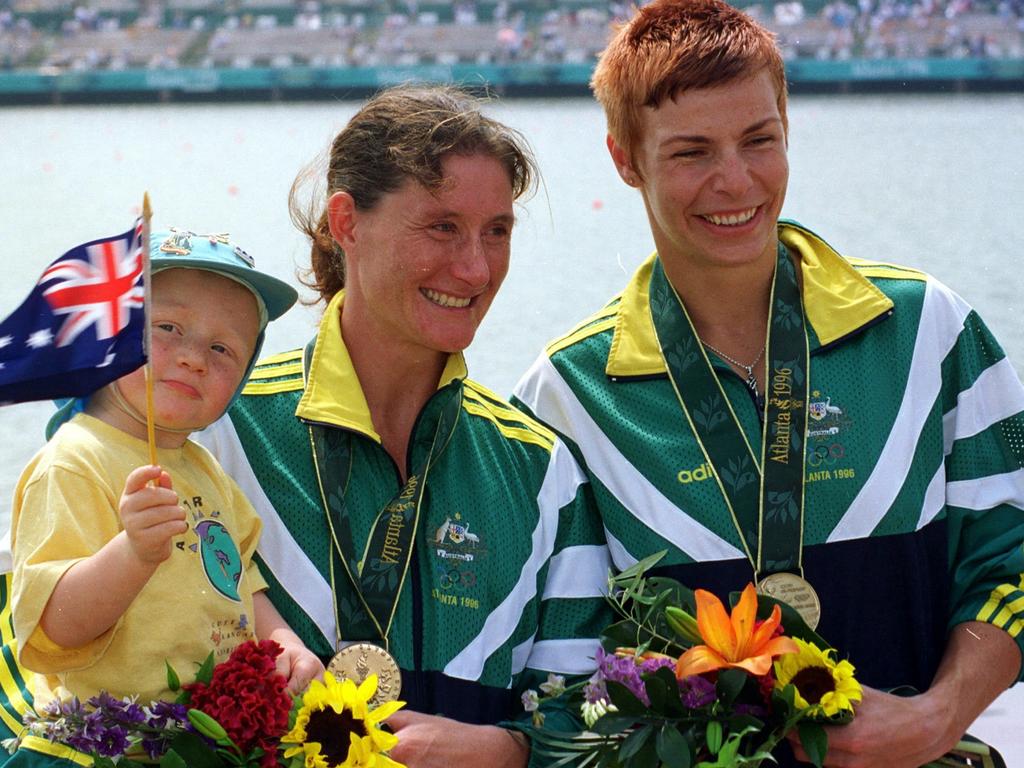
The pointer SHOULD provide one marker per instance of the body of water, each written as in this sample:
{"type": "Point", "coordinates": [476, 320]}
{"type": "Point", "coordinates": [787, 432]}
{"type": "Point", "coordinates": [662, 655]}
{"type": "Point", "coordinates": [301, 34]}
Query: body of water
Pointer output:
{"type": "Point", "coordinates": [933, 182]}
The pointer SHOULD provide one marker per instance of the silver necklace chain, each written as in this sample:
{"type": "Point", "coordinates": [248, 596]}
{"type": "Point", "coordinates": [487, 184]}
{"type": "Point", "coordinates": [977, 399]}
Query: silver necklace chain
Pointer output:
{"type": "Point", "coordinates": [749, 369]}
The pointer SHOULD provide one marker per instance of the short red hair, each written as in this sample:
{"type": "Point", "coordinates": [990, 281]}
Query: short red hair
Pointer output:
{"type": "Point", "coordinates": [671, 46]}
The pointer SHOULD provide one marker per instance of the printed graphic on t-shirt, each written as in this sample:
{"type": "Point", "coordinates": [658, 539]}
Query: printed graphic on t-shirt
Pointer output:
{"type": "Point", "coordinates": [221, 560]}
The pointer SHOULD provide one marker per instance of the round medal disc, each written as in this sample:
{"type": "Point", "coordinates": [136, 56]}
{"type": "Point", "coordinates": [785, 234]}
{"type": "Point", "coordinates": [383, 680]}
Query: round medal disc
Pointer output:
{"type": "Point", "coordinates": [358, 661]}
{"type": "Point", "coordinates": [796, 592]}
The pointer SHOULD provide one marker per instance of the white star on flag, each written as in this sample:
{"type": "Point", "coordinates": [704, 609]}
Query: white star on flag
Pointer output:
{"type": "Point", "coordinates": [40, 339]}
{"type": "Point", "coordinates": [5, 340]}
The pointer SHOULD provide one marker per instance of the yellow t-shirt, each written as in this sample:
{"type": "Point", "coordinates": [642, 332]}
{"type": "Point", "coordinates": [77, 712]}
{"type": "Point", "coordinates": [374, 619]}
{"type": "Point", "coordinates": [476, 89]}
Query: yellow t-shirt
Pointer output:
{"type": "Point", "coordinates": [198, 600]}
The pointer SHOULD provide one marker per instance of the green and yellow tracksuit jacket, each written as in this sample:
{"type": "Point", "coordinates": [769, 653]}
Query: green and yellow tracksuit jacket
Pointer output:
{"type": "Point", "coordinates": [914, 512]}
{"type": "Point", "coordinates": [509, 564]}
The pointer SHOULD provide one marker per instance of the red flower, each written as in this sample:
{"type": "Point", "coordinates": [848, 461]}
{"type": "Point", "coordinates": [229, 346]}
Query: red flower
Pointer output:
{"type": "Point", "coordinates": [765, 686]}
{"type": "Point", "coordinates": [248, 698]}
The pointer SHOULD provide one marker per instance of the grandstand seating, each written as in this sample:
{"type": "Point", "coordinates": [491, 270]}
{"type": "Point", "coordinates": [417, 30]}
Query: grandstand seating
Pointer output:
{"type": "Point", "coordinates": [117, 48]}
{"type": "Point", "coordinates": [58, 35]}
{"type": "Point", "coordinates": [326, 46]}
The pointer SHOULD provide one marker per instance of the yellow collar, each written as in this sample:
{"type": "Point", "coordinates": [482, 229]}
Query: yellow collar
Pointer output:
{"type": "Point", "coordinates": [333, 393]}
{"type": "Point", "coordinates": [837, 301]}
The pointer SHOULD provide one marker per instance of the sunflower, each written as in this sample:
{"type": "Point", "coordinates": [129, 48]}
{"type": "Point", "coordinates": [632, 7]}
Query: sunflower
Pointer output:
{"type": "Point", "coordinates": [820, 681]}
{"type": "Point", "coordinates": [335, 727]}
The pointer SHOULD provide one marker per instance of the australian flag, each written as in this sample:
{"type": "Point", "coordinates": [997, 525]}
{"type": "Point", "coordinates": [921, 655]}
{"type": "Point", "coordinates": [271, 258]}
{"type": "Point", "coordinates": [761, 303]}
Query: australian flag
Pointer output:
{"type": "Point", "coordinates": [81, 327]}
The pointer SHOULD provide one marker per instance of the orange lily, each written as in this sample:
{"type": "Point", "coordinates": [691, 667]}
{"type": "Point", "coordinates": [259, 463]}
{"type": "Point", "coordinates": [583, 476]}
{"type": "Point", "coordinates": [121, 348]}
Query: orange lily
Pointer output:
{"type": "Point", "coordinates": [733, 641]}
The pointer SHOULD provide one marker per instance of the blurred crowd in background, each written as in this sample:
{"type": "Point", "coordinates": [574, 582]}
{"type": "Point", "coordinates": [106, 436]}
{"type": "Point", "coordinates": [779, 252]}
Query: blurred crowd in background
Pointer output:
{"type": "Point", "coordinates": [56, 35]}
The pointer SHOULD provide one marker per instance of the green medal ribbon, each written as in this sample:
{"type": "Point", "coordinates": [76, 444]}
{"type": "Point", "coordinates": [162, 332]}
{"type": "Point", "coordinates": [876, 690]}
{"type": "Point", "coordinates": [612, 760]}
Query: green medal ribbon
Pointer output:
{"type": "Point", "coordinates": [378, 576]}
{"type": "Point", "coordinates": [765, 493]}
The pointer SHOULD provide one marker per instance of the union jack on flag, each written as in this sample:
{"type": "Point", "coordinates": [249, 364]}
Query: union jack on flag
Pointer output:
{"type": "Point", "coordinates": [81, 327]}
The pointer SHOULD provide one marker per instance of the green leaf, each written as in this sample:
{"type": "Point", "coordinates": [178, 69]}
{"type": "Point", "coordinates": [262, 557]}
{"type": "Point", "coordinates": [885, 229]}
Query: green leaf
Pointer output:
{"type": "Point", "coordinates": [205, 672]}
{"type": "Point", "coordinates": [635, 741]}
{"type": "Point", "coordinates": [673, 704]}
{"type": "Point", "coordinates": [620, 634]}
{"type": "Point", "coordinates": [636, 571]}
{"type": "Point", "coordinates": [229, 757]}
{"type": "Point", "coordinates": [612, 723]}
{"type": "Point", "coordinates": [730, 683]}
{"type": "Point", "coordinates": [673, 749]}
{"type": "Point", "coordinates": [624, 699]}
{"type": "Point", "coordinates": [172, 677]}
{"type": "Point", "coordinates": [814, 740]}
{"type": "Point", "coordinates": [681, 594]}
{"type": "Point", "coordinates": [195, 751]}
{"type": "Point", "coordinates": [172, 760]}
{"type": "Point", "coordinates": [657, 692]}
{"type": "Point", "coordinates": [647, 757]}
{"type": "Point", "coordinates": [745, 724]}
{"type": "Point", "coordinates": [727, 755]}
{"type": "Point", "coordinates": [787, 697]}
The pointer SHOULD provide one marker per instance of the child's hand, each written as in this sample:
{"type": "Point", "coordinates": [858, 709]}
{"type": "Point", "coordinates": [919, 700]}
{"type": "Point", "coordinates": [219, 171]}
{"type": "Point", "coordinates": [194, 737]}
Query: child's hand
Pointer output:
{"type": "Point", "coordinates": [150, 514]}
{"type": "Point", "coordinates": [299, 665]}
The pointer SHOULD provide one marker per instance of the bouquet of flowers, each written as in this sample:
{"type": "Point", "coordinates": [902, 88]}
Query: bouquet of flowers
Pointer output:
{"type": "Point", "coordinates": [684, 683]}
{"type": "Point", "coordinates": [236, 714]}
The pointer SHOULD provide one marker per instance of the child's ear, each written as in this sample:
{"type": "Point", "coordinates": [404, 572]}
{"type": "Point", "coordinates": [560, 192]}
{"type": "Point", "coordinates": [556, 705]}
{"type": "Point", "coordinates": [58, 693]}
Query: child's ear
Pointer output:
{"type": "Point", "coordinates": [341, 207]}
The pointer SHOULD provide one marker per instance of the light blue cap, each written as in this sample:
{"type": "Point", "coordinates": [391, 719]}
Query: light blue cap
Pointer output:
{"type": "Point", "coordinates": [184, 249]}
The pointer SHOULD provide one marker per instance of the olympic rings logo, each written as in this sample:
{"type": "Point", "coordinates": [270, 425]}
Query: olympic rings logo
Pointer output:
{"type": "Point", "coordinates": [456, 578]}
{"type": "Point", "coordinates": [825, 455]}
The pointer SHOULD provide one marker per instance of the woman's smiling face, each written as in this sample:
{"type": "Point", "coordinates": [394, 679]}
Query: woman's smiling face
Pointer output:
{"type": "Point", "coordinates": [423, 266]}
{"type": "Point", "coordinates": [713, 171]}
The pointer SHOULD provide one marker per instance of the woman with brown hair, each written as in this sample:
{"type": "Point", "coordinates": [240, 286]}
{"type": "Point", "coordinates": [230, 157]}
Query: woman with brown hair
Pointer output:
{"type": "Point", "coordinates": [416, 524]}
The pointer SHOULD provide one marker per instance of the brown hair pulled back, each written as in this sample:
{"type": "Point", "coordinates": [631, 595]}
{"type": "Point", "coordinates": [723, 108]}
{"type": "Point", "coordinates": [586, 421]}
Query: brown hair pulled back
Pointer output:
{"type": "Point", "coordinates": [402, 133]}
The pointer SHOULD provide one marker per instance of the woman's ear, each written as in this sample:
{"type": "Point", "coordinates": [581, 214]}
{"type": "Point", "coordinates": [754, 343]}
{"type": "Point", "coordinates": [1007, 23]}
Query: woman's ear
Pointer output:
{"type": "Point", "coordinates": [623, 162]}
{"type": "Point", "coordinates": [341, 209]}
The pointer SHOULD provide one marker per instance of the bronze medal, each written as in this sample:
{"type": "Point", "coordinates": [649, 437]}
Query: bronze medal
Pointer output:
{"type": "Point", "coordinates": [796, 592]}
{"type": "Point", "coordinates": [358, 661]}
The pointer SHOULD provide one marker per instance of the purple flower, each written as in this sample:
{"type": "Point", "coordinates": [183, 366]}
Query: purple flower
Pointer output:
{"type": "Point", "coordinates": [94, 724]}
{"type": "Point", "coordinates": [696, 692]}
{"type": "Point", "coordinates": [133, 713]}
{"type": "Point", "coordinates": [163, 713]}
{"type": "Point", "coordinates": [104, 700]}
{"type": "Point", "coordinates": [80, 742]}
{"type": "Point", "coordinates": [112, 742]}
{"type": "Point", "coordinates": [156, 746]}
{"type": "Point", "coordinates": [622, 670]}
{"type": "Point", "coordinates": [595, 690]}
{"type": "Point", "coordinates": [650, 666]}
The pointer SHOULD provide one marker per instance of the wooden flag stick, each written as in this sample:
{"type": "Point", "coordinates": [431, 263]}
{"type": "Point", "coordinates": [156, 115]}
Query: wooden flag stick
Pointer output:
{"type": "Point", "coordinates": [147, 214]}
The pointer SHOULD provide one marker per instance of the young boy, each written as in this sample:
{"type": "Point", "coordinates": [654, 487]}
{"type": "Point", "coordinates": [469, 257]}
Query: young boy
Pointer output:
{"type": "Point", "coordinates": [119, 565]}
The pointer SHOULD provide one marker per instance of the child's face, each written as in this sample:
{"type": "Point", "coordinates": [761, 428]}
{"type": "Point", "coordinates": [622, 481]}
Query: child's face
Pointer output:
{"type": "Point", "coordinates": [204, 330]}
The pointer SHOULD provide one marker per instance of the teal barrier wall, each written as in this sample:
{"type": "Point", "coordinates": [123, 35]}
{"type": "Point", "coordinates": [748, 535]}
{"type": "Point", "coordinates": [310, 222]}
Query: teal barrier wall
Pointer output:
{"type": "Point", "coordinates": [559, 78]}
